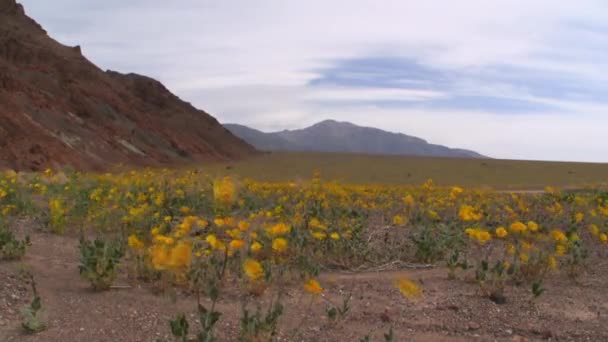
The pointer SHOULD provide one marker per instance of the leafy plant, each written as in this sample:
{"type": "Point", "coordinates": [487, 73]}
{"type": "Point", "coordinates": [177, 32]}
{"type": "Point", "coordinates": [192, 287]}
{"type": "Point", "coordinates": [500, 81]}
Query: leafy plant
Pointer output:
{"type": "Point", "coordinates": [576, 257]}
{"type": "Point", "coordinates": [179, 327]}
{"type": "Point", "coordinates": [334, 312]}
{"type": "Point", "coordinates": [254, 326]}
{"type": "Point", "coordinates": [10, 247]}
{"type": "Point", "coordinates": [32, 315]}
{"type": "Point", "coordinates": [537, 289]}
{"type": "Point", "coordinates": [99, 260]}
{"type": "Point", "coordinates": [390, 335]}
{"type": "Point", "coordinates": [454, 262]}
{"type": "Point", "coordinates": [432, 243]}
{"type": "Point", "coordinates": [207, 319]}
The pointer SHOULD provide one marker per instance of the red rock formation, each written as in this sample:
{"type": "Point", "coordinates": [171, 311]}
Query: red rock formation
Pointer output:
{"type": "Point", "coordinates": [57, 108]}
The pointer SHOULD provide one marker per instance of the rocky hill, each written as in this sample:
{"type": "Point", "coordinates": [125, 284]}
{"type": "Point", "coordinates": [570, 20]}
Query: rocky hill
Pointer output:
{"type": "Point", "coordinates": [334, 136]}
{"type": "Point", "coordinates": [57, 108]}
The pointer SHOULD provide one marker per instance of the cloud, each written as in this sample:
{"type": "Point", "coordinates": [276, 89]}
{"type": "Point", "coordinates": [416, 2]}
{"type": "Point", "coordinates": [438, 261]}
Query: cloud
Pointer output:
{"type": "Point", "coordinates": [509, 78]}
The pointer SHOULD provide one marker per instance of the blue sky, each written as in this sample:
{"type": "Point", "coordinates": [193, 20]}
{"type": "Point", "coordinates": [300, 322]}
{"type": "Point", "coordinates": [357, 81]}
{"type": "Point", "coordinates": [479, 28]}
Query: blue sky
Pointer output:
{"type": "Point", "coordinates": [508, 78]}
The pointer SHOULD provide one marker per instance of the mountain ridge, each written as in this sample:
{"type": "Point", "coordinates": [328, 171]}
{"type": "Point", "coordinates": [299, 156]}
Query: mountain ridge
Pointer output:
{"type": "Point", "coordinates": [341, 136]}
{"type": "Point", "coordinates": [57, 108]}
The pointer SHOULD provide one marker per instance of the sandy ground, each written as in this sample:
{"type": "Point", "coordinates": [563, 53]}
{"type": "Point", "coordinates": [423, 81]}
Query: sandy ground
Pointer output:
{"type": "Point", "coordinates": [450, 310]}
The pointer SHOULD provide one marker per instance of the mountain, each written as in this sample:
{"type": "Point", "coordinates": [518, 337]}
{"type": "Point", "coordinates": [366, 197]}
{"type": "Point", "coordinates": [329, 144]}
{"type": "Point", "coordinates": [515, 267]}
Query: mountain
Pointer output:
{"type": "Point", "coordinates": [334, 136]}
{"type": "Point", "coordinates": [57, 108]}
{"type": "Point", "coordinates": [262, 141]}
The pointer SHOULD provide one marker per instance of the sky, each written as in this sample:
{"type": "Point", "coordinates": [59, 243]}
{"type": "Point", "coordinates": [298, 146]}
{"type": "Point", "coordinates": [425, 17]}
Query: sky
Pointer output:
{"type": "Point", "coordinates": [509, 79]}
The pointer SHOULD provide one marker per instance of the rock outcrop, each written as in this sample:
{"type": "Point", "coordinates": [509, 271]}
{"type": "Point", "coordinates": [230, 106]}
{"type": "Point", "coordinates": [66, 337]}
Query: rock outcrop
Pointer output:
{"type": "Point", "coordinates": [57, 108]}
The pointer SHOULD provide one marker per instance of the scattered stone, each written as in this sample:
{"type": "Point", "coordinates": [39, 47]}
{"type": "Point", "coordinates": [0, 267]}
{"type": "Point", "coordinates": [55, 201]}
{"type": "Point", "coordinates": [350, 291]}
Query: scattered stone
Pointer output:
{"type": "Point", "coordinates": [498, 298]}
{"type": "Point", "coordinates": [474, 326]}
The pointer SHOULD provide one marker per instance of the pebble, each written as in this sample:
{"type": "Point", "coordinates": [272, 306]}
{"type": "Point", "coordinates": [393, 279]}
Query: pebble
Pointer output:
{"type": "Point", "coordinates": [474, 326]}
{"type": "Point", "coordinates": [509, 331]}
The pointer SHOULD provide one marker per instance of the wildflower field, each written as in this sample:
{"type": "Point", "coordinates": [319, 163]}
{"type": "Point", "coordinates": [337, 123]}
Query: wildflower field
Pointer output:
{"type": "Point", "coordinates": [183, 255]}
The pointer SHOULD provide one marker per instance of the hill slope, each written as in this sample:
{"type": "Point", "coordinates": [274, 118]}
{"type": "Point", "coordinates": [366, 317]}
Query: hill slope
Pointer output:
{"type": "Point", "coordinates": [58, 108]}
{"type": "Point", "coordinates": [333, 136]}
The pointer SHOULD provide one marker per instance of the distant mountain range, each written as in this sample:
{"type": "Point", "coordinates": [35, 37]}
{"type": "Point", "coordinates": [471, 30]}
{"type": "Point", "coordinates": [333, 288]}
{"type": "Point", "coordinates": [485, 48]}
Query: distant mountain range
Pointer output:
{"type": "Point", "coordinates": [334, 136]}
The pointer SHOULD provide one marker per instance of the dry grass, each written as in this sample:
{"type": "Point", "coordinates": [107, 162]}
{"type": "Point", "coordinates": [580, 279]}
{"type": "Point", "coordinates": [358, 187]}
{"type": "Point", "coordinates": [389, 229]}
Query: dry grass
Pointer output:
{"type": "Point", "coordinates": [367, 169]}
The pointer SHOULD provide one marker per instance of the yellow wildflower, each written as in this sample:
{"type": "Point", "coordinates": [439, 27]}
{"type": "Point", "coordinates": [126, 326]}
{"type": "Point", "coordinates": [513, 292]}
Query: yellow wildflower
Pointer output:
{"type": "Point", "coordinates": [253, 269]}
{"type": "Point", "coordinates": [135, 243]}
{"type": "Point", "coordinates": [224, 191]}
{"type": "Point", "coordinates": [256, 246]}
{"type": "Point", "coordinates": [315, 223]}
{"type": "Point", "coordinates": [313, 287]}
{"type": "Point", "coordinates": [243, 225]}
{"type": "Point", "coordinates": [468, 213]}
{"type": "Point", "coordinates": [408, 288]}
{"type": "Point", "coordinates": [558, 235]}
{"type": "Point", "coordinates": [526, 246]}
{"type": "Point", "coordinates": [278, 229]}
{"type": "Point", "coordinates": [511, 249]}
{"type": "Point", "coordinates": [214, 242]}
{"type": "Point", "coordinates": [181, 254]}
{"type": "Point", "coordinates": [237, 244]}
{"type": "Point", "coordinates": [164, 239]}
{"type": "Point", "coordinates": [560, 250]}
{"type": "Point", "coordinates": [594, 230]}
{"type": "Point", "coordinates": [551, 262]}
{"type": "Point", "coordinates": [518, 227]}
{"type": "Point", "coordinates": [398, 220]}
{"type": "Point", "coordinates": [408, 200]}
{"type": "Point", "coordinates": [319, 235]}
{"type": "Point", "coordinates": [501, 232]}
{"type": "Point", "coordinates": [279, 245]}
{"type": "Point", "coordinates": [159, 256]}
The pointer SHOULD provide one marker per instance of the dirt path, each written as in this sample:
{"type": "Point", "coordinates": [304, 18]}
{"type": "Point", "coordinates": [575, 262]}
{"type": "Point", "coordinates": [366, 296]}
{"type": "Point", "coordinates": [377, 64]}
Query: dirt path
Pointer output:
{"type": "Point", "coordinates": [449, 310]}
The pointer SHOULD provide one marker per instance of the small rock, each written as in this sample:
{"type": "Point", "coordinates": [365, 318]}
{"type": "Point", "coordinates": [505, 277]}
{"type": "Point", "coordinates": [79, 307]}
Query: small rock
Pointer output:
{"type": "Point", "coordinates": [517, 338]}
{"type": "Point", "coordinates": [81, 329]}
{"type": "Point", "coordinates": [509, 331]}
{"type": "Point", "coordinates": [474, 326]}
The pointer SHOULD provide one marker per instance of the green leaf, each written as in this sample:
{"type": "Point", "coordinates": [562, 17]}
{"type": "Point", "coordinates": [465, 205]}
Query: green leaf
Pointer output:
{"type": "Point", "coordinates": [390, 336]}
{"type": "Point", "coordinates": [179, 326]}
{"type": "Point", "coordinates": [36, 304]}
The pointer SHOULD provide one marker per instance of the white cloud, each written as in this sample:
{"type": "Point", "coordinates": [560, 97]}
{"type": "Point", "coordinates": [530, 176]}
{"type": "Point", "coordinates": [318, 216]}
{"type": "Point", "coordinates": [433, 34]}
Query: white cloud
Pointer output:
{"type": "Point", "coordinates": [252, 62]}
{"type": "Point", "coordinates": [371, 94]}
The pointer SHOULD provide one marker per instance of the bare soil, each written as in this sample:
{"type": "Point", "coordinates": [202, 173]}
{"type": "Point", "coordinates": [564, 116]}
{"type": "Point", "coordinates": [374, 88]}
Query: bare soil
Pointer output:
{"type": "Point", "coordinates": [450, 310]}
